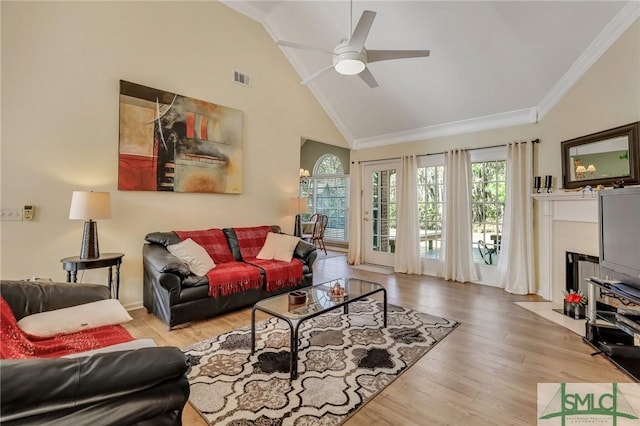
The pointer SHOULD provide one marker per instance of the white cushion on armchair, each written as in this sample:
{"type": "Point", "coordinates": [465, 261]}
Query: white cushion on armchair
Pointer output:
{"type": "Point", "coordinates": [75, 318]}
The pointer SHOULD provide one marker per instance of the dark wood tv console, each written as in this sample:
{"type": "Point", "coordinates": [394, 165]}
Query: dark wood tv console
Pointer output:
{"type": "Point", "coordinates": [603, 329]}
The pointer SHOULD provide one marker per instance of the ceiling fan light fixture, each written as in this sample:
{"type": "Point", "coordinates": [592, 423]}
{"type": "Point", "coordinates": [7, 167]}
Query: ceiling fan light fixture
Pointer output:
{"type": "Point", "coordinates": [350, 57]}
{"type": "Point", "coordinates": [349, 63]}
{"type": "Point", "coordinates": [350, 66]}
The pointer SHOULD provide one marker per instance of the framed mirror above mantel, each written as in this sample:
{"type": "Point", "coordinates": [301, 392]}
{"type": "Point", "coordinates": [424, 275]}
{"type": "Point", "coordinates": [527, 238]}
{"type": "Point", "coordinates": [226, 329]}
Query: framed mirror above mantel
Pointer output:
{"type": "Point", "coordinates": [602, 158]}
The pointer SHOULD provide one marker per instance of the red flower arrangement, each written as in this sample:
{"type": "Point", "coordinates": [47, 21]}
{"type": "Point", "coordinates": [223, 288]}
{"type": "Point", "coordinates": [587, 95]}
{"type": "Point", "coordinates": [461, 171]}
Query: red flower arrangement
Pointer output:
{"type": "Point", "coordinates": [576, 298]}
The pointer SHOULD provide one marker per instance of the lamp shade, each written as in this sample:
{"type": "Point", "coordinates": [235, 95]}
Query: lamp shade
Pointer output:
{"type": "Point", "coordinates": [591, 168]}
{"type": "Point", "coordinates": [90, 205]}
{"type": "Point", "coordinates": [298, 205]}
{"type": "Point", "coordinates": [581, 169]}
{"type": "Point", "coordinates": [302, 207]}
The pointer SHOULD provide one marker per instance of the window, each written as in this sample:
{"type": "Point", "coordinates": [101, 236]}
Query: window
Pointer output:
{"type": "Point", "coordinates": [328, 165]}
{"type": "Point", "coordinates": [430, 204]}
{"type": "Point", "coordinates": [327, 192]}
{"type": "Point", "coordinates": [487, 207]}
{"type": "Point", "coordinates": [384, 209]}
{"type": "Point", "coordinates": [487, 204]}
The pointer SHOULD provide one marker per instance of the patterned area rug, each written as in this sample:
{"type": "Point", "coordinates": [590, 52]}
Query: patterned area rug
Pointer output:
{"type": "Point", "coordinates": [344, 360]}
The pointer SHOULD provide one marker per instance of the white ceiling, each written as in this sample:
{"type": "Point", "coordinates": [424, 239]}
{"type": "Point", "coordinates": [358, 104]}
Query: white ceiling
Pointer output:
{"type": "Point", "coordinates": [492, 63]}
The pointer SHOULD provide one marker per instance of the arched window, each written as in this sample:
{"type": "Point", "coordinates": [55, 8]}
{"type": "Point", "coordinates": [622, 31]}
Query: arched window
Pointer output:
{"type": "Point", "coordinates": [327, 192]}
{"type": "Point", "coordinates": [328, 164]}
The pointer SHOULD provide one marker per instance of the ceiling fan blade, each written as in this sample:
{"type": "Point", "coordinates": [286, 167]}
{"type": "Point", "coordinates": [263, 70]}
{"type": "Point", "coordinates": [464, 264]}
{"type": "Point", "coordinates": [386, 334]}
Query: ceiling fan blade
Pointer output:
{"type": "Point", "coordinates": [301, 46]}
{"type": "Point", "coordinates": [356, 42]}
{"type": "Point", "coordinates": [368, 78]}
{"type": "Point", "coordinates": [316, 74]}
{"type": "Point", "coordinates": [385, 55]}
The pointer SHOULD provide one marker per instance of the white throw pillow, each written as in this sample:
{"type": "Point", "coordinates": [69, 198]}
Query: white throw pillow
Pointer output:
{"type": "Point", "coordinates": [194, 255]}
{"type": "Point", "coordinates": [278, 247]}
{"type": "Point", "coordinates": [75, 318]}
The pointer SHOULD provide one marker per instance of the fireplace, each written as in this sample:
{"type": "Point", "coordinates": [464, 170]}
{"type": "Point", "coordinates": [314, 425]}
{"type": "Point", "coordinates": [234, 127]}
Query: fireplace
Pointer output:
{"type": "Point", "coordinates": [566, 222]}
{"type": "Point", "coordinates": [578, 267]}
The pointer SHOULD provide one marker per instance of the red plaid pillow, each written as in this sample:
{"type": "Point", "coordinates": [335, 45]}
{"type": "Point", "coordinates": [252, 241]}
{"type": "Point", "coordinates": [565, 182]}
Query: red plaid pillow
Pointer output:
{"type": "Point", "coordinates": [213, 241]}
{"type": "Point", "coordinates": [251, 240]}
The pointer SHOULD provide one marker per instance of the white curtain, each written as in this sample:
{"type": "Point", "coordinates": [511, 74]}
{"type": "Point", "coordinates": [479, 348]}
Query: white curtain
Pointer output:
{"type": "Point", "coordinates": [515, 266]}
{"type": "Point", "coordinates": [457, 244]}
{"type": "Point", "coordinates": [355, 215]}
{"type": "Point", "coordinates": [407, 256]}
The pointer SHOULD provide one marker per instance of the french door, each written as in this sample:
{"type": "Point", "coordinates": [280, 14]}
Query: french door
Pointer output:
{"type": "Point", "coordinates": [379, 212]}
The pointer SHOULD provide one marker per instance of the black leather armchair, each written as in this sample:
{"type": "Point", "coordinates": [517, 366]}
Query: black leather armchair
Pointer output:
{"type": "Point", "coordinates": [146, 386]}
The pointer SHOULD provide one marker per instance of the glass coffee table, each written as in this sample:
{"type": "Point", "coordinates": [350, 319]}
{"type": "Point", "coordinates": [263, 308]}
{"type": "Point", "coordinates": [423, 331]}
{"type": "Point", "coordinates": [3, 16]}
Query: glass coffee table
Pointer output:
{"type": "Point", "coordinates": [318, 302]}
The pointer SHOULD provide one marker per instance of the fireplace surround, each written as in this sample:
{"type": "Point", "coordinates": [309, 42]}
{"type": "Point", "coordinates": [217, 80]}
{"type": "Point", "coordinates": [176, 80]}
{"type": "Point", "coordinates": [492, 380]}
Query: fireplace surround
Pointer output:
{"type": "Point", "coordinates": [565, 222]}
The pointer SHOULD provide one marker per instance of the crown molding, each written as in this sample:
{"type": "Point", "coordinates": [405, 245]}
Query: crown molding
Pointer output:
{"type": "Point", "coordinates": [505, 119]}
{"type": "Point", "coordinates": [246, 8]}
{"type": "Point", "coordinates": [333, 116]}
{"type": "Point", "coordinates": [322, 100]}
{"type": "Point", "coordinates": [320, 97]}
{"type": "Point", "coordinates": [614, 29]}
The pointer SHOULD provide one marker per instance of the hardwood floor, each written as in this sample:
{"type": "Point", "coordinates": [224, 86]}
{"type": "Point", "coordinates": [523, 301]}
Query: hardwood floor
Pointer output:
{"type": "Point", "coordinates": [484, 373]}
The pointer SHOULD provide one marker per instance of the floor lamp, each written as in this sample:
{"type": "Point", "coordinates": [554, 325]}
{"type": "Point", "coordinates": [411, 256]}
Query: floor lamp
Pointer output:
{"type": "Point", "coordinates": [300, 209]}
{"type": "Point", "coordinates": [88, 206]}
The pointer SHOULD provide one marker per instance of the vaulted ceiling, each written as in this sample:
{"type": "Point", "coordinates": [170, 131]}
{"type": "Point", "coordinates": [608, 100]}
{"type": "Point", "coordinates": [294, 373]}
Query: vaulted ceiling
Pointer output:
{"type": "Point", "coordinates": [492, 63]}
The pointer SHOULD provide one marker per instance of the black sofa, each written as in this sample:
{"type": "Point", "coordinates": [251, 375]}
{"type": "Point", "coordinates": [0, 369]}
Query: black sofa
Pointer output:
{"type": "Point", "coordinates": [146, 386]}
{"type": "Point", "coordinates": [176, 296]}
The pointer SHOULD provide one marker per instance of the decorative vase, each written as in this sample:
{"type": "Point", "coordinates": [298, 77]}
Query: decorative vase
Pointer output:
{"type": "Point", "coordinates": [574, 311]}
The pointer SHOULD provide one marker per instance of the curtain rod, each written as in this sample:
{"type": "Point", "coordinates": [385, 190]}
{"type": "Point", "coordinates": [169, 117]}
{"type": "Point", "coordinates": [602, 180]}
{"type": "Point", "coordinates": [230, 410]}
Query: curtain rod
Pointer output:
{"type": "Point", "coordinates": [535, 141]}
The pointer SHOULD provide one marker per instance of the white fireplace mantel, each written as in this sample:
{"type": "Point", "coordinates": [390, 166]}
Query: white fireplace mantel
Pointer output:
{"type": "Point", "coordinates": [576, 206]}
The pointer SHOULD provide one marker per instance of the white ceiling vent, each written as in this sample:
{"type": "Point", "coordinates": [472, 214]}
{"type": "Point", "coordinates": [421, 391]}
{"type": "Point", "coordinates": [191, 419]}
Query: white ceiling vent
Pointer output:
{"type": "Point", "coordinates": [241, 78]}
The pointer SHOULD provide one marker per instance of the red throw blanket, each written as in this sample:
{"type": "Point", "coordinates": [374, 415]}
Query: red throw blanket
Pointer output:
{"type": "Point", "coordinates": [233, 277]}
{"type": "Point", "coordinates": [15, 343]}
{"type": "Point", "coordinates": [213, 241]}
{"type": "Point", "coordinates": [229, 276]}
{"type": "Point", "coordinates": [279, 274]}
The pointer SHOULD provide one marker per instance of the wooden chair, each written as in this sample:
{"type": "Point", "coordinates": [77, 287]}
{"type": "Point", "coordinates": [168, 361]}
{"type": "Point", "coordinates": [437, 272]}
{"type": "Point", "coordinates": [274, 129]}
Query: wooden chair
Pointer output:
{"type": "Point", "coordinates": [306, 235]}
{"type": "Point", "coordinates": [320, 222]}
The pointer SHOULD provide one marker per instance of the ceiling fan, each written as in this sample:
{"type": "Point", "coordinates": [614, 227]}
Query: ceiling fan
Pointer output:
{"type": "Point", "coordinates": [350, 57]}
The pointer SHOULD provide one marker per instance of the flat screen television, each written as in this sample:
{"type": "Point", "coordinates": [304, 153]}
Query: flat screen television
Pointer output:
{"type": "Point", "coordinates": [619, 228]}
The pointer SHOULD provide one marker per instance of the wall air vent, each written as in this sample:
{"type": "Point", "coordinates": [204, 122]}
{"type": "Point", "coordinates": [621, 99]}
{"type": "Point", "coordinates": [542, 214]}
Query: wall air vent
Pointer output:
{"type": "Point", "coordinates": [241, 78]}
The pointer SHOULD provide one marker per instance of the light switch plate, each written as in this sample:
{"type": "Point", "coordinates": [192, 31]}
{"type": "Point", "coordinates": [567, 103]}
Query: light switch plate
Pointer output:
{"type": "Point", "coordinates": [27, 212]}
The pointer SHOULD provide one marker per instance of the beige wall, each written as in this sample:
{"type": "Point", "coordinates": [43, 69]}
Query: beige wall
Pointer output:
{"type": "Point", "coordinates": [608, 95]}
{"type": "Point", "coordinates": [61, 64]}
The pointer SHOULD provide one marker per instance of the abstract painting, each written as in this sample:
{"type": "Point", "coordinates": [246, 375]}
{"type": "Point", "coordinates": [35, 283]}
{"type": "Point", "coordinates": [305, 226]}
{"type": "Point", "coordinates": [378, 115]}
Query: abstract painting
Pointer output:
{"type": "Point", "coordinates": [170, 142]}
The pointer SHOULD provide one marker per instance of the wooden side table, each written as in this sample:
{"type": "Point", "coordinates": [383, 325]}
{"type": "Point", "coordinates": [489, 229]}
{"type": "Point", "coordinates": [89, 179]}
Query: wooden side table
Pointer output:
{"type": "Point", "coordinates": [73, 264]}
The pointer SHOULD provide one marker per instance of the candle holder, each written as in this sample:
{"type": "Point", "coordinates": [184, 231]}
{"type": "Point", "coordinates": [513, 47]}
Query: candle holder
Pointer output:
{"type": "Point", "coordinates": [297, 297]}
{"type": "Point", "coordinates": [548, 183]}
{"type": "Point", "coordinates": [537, 183]}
